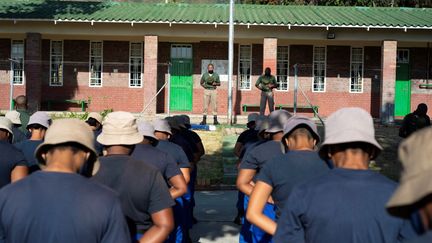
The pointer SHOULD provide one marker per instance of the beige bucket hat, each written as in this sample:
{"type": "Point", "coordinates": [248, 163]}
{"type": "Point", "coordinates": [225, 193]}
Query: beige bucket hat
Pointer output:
{"type": "Point", "coordinates": [67, 131]}
{"type": "Point", "coordinates": [415, 153]}
{"type": "Point", "coordinates": [96, 116]}
{"type": "Point", "coordinates": [349, 125]}
{"type": "Point", "coordinates": [6, 124]}
{"type": "Point", "coordinates": [14, 117]}
{"type": "Point", "coordinates": [119, 128]}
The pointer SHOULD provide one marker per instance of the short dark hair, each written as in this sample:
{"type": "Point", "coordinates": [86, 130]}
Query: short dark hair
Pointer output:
{"type": "Point", "coordinates": [365, 147]}
{"type": "Point", "coordinates": [36, 126]}
{"type": "Point", "coordinates": [92, 122]}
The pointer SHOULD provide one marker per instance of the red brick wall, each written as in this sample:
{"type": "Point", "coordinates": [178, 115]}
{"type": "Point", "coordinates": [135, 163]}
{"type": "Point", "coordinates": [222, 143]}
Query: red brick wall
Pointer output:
{"type": "Point", "coordinates": [5, 51]}
{"type": "Point", "coordinates": [419, 75]}
{"type": "Point", "coordinates": [114, 93]}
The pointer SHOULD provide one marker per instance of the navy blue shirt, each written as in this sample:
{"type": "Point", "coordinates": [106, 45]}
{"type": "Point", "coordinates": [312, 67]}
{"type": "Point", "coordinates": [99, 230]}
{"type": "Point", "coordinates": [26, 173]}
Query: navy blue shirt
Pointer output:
{"type": "Point", "coordinates": [175, 151]}
{"type": "Point", "coordinates": [284, 172]}
{"type": "Point", "coordinates": [342, 206]}
{"type": "Point", "coordinates": [184, 144]}
{"type": "Point", "coordinates": [260, 154]}
{"type": "Point", "coordinates": [98, 146]}
{"type": "Point", "coordinates": [425, 238]}
{"type": "Point", "coordinates": [10, 157]}
{"type": "Point", "coordinates": [248, 136]}
{"type": "Point", "coordinates": [28, 148]}
{"type": "Point", "coordinates": [141, 188]}
{"type": "Point", "coordinates": [164, 162]}
{"type": "Point", "coordinates": [51, 207]}
{"type": "Point", "coordinates": [18, 135]}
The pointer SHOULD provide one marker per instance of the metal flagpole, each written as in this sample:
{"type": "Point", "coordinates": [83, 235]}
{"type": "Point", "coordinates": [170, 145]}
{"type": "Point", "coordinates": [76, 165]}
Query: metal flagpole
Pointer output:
{"type": "Point", "coordinates": [295, 87]}
{"type": "Point", "coordinates": [230, 59]}
{"type": "Point", "coordinates": [11, 86]}
{"type": "Point", "coordinates": [169, 89]}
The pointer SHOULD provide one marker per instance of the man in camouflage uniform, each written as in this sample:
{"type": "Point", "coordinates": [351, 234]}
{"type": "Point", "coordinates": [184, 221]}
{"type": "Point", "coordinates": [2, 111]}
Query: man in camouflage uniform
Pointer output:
{"type": "Point", "coordinates": [266, 83]}
{"type": "Point", "coordinates": [210, 81]}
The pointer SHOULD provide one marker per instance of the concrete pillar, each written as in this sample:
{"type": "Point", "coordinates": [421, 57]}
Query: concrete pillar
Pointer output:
{"type": "Point", "coordinates": [388, 75]}
{"type": "Point", "coordinates": [150, 73]}
{"type": "Point", "coordinates": [270, 54]}
{"type": "Point", "coordinates": [33, 70]}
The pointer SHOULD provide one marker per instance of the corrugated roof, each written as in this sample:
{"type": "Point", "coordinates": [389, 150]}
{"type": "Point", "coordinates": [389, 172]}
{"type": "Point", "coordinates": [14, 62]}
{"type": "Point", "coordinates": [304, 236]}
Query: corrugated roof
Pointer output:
{"type": "Point", "coordinates": [216, 14]}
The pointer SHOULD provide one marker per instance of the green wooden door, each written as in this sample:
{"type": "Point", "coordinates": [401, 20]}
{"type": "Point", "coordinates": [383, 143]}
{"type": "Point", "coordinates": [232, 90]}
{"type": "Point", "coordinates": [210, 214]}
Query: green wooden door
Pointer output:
{"type": "Point", "coordinates": [403, 90]}
{"type": "Point", "coordinates": [181, 85]}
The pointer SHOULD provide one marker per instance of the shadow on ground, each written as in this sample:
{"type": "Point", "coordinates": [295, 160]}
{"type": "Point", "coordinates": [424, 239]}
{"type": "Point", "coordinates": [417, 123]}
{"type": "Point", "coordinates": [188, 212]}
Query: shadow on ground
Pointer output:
{"type": "Point", "coordinates": [215, 211]}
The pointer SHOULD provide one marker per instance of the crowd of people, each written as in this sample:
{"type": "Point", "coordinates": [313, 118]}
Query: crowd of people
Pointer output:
{"type": "Point", "coordinates": [293, 187]}
{"type": "Point", "coordinates": [112, 179]}
{"type": "Point", "coordinates": [119, 179]}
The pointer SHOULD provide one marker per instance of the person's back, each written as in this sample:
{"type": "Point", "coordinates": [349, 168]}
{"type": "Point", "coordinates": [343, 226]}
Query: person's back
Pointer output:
{"type": "Point", "coordinates": [157, 158]}
{"type": "Point", "coordinates": [140, 186]}
{"type": "Point", "coordinates": [343, 206]}
{"type": "Point", "coordinates": [60, 207]}
{"type": "Point", "coordinates": [175, 151]}
{"type": "Point", "coordinates": [415, 121]}
{"type": "Point", "coordinates": [19, 136]}
{"type": "Point", "coordinates": [28, 147]}
{"type": "Point", "coordinates": [284, 172]}
{"type": "Point", "coordinates": [10, 158]}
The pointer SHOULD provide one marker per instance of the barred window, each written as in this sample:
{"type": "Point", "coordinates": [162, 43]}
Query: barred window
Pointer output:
{"type": "Point", "coordinates": [245, 56]}
{"type": "Point", "coordinates": [356, 84]}
{"type": "Point", "coordinates": [135, 64]}
{"type": "Point", "coordinates": [319, 69]}
{"type": "Point", "coordinates": [56, 63]}
{"type": "Point", "coordinates": [95, 64]}
{"type": "Point", "coordinates": [17, 63]}
{"type": "Point", "coordinates": [282, 72]}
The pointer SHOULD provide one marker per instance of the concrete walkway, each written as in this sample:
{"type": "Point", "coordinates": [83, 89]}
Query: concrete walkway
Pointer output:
{"type": "Point", "coordinates": [215, 211]}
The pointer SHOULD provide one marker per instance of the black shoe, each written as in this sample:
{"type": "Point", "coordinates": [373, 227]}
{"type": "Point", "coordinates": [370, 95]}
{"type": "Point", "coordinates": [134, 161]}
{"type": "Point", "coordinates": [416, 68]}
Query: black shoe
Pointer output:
{"type": "Point", "coordinates": [237, 220]}
{"type": "Point", "coordinates": [204, 120]}
{"type": "Point", "coordinates": [194, 220]}
{"type": "Point", "coordinates": [215, 121]}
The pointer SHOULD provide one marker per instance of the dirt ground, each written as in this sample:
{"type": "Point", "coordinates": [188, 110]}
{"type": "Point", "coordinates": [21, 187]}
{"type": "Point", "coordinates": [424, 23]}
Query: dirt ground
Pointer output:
{"type": "Point", "coordinates": [387, 162]}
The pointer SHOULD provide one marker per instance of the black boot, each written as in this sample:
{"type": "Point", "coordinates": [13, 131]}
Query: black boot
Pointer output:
{"type": "Point", "coordinates": [215, 121]}
{"type": "Point", "coordinates": [204, 120]}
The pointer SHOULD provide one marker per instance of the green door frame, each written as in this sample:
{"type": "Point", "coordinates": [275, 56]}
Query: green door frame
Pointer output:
{"type": "Point", "coordinates": [181, 78]}
{"type": "Point", "coordinates": [402, 84]}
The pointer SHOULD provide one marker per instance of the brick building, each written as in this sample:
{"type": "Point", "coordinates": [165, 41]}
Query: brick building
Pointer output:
{"type": "Point", "coordinates": [116, 55]}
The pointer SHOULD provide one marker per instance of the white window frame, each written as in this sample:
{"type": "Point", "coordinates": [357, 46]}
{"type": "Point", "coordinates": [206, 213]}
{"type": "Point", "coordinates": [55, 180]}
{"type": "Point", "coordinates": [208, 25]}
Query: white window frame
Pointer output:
{"type": "Point", "coordinates": [287, 68]}
{"type": "Point", "coordinates": [250, 68]}
{"type": "Point", "coordinates": [90, 63]}
{"type": "Point", "coordinates": [62, 64]}
{"type": "Point", "coordinates": [130, 65]}
{"type": "Point", "coordinates": [351, 66]}
{"type": "Point", "coordinates": [404, 61]}
{"type": "Point", "coordinates": [325, 70]}
{"type": "Point", "coordinates": [12, 64]}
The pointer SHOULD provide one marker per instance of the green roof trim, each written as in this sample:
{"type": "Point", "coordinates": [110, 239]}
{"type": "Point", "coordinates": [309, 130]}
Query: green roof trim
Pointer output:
{"type": "Point", "coordinates": [291, 15]}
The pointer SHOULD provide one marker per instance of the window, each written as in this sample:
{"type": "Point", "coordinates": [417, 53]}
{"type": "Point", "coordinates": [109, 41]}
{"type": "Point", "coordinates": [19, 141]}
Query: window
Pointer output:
{"type": "Point", "coordinates": [56, 63]}
{"type": "Point", "coordinates": [245, 56]}
{"type": "Point", "coordinates": [17, 62]}
{"type": "Point", "coordinates": [402, 56]}
{"type": "Point", "coordinates": [95, 64]}
{"type": "Point", "coordinates": [356, 84]}
{"type": "Point", "coordinates": [282, 72]}
{"type": "Point", "coordinates": [181, 51]}
{"type": "Point", "coordinates": [319, 69]}
{"type": "Point", "coordinates": [135, 64]}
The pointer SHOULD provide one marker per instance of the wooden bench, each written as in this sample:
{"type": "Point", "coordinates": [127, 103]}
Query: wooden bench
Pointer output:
{"type": "Point", "coordinates": [290, 107]}
{"type": "Point", "coordinates": [246, 106]}
{"type": "Point", "coordinates": [81, 103]}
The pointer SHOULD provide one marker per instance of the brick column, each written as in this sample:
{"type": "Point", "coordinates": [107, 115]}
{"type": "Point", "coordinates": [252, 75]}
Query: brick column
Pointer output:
{"type": "Point", "coordinates": [388, 75]}
{"type": "Point", "coordinates": [270, 54]}
{"type": "Point", "coordinates": [33, 70]}
{"type": "Point", "coordinates": [150, 73]}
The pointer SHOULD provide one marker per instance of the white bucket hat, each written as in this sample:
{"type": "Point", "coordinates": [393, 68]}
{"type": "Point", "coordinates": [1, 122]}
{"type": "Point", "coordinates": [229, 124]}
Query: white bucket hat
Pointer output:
{"type": "Point", "coordinates": [42, 118]}
{"type": "Point", "coordinates": [96, 116]}
{"type": "Point", "coordinates": [161, 125]}
{"type": "Point", "coordinates": [415, 184]}
{"type": "Point", "coordinates": [67, 131]}
{"type": "Point", "coordinates": [146, 129]}
{"type": "Point", "coordinates": [277, 120]}
{"type": "Point", "coordinates": [119, 128]}
{"type": "Point", "coordinates": [262, 124]}
{"type": "Point", "coordinates": [349, 125]}
{"type": "Point", "coordinates": [6, 124]}
{"type": "Point", "coordinates": [14, 117]}
{"type": "Point", "coordinates": [252, 117]}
